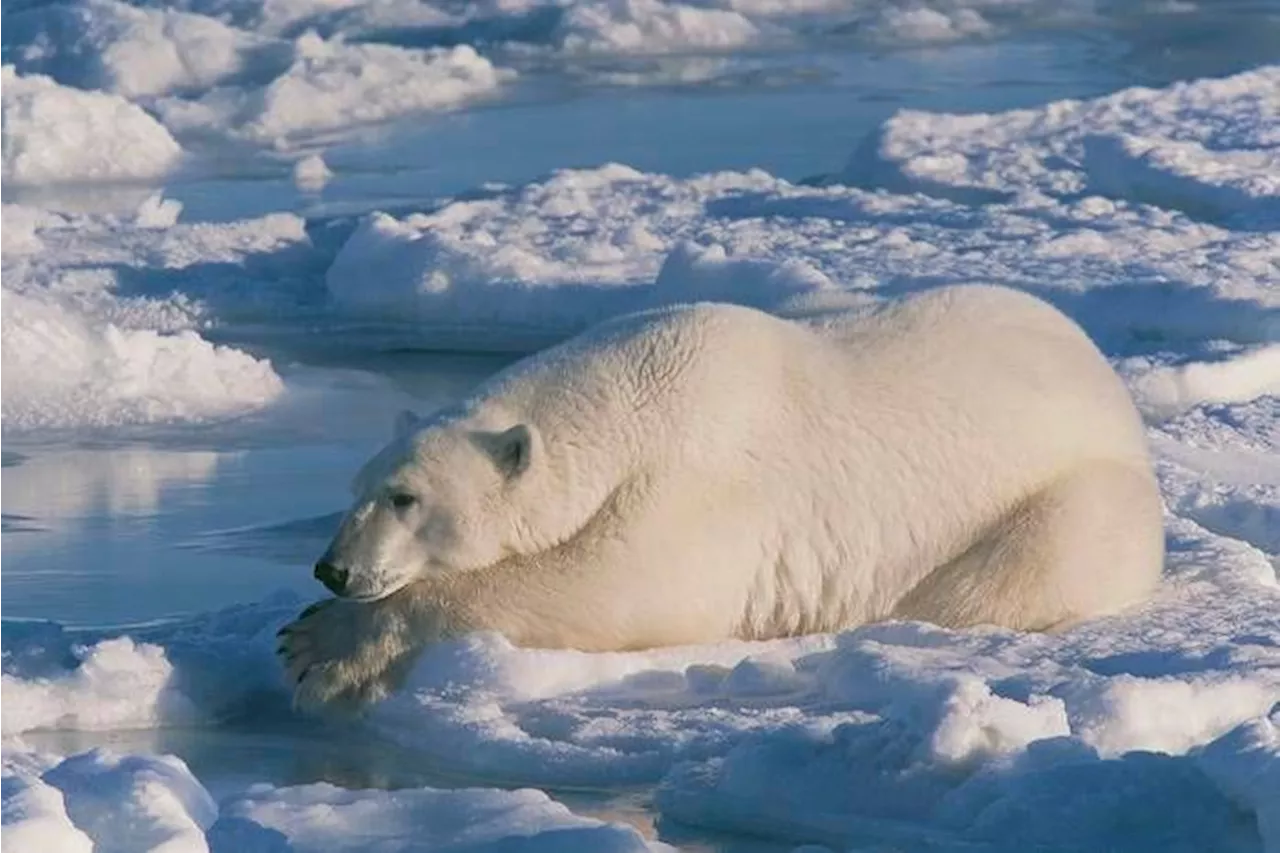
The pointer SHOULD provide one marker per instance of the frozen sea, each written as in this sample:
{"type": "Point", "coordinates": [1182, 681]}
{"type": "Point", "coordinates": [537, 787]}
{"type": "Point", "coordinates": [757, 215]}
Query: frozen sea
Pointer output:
{"type": "Point", "coordinates": [240, 235]}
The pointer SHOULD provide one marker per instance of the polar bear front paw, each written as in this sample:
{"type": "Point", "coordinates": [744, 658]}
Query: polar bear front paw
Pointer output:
{"type": "Point", "coordinates": [345, 654]}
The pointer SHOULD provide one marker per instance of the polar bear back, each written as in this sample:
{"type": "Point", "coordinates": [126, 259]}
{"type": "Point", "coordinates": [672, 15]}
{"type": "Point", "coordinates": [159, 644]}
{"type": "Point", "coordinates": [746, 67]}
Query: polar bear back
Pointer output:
{"type": "Point", "coordinates": [841, 458]}
{"type": "Point", "coordinates": [984, 370]}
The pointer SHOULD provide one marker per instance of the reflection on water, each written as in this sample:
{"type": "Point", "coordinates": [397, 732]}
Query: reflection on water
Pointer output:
{"type": "Point", "coordinates": [107, 531]}
{"type": "Point", "coordinates": [116, 534]}
{"type": "Point", "coordinates": [77, 484]}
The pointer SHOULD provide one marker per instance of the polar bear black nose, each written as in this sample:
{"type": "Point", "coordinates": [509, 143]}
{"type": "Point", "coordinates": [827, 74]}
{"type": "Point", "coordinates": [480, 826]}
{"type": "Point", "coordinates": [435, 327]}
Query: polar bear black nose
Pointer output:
{"type": "Point", "coordinates": [331, 576]}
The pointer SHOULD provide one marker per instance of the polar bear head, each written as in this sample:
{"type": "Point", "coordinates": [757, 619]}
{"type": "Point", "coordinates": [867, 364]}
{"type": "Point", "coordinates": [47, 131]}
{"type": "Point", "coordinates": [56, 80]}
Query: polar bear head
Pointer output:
{"type": "Point", "coordinates": [444, 496]}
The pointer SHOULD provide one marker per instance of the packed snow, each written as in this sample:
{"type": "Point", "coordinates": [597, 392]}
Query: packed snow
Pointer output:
{"type": "Point", "coordinates": [1209, 148]}
{"type": "Point", "coordinates": [311, 173]}
{"type": "Point", "coordinates": [56, 134]}
{"type": "Point", "coordinates": [96, 336]}
{"type": "Point", "coordinates": [333, 86]}
{"type": "Point", "coordinates": [1149, 215]}
{"type": "Point", "coordinates": [321, 818]}
{"type": "Point", "coordinates": [280, 74]}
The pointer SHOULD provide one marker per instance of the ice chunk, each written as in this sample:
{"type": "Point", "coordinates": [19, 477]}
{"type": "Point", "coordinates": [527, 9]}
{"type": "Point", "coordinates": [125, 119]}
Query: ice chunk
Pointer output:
{"type": "Point", "coordinates": [310, 174]}
{"type": "Point", "coordinates": [35, 818]}
{"type": "Point", "coordinates": [118, 684]}
{"type": "Point", "coordinates": [55, 134]}
{"type": "Point", "coordinates": [332, 87]}
{"type": "Point", "coordinates": [1209, 147]}
{"type": "Point", "coordinates": [135, 802]}
{"type": "Point", "coordinates": [556, 255]}
{"type": "Point", "coordinates": [1166, 390]}
{"type": "Point", "coordinates": [66, 370]}
{"type": "Point", "coordinates": [653, 26]}
{"type": "Point", "coordinates": [129, 50]}
{"type": "Point", "coordinates": [1245, 764]}
{"type": "Point", "coordinates": [321, 818]}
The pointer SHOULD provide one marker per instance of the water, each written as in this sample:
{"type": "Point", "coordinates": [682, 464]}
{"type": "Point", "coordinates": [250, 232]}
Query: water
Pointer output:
{"type": "Point", "coordinates": [104, 530]}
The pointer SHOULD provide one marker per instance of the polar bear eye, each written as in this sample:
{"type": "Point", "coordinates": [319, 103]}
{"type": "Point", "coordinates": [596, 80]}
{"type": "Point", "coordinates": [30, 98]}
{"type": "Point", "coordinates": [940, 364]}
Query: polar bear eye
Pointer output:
{"type": "Point", "coordinates": [402, 500]}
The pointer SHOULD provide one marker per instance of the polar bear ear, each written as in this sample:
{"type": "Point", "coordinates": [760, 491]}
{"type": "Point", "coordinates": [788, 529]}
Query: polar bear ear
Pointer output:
{"type": "Point", "coordinates": [511, 450]}
{"type": "Point", "coordinates": [406, 422]}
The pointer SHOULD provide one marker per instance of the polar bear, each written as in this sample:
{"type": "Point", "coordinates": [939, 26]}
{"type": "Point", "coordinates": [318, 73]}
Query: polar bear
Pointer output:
{"type": "Point", "coordinates": [704, 472]}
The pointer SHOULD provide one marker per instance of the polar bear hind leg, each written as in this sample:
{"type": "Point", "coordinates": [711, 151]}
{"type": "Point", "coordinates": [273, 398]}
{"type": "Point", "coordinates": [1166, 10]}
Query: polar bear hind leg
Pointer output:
{"type": "Point", "coordinates": [1089, 544]}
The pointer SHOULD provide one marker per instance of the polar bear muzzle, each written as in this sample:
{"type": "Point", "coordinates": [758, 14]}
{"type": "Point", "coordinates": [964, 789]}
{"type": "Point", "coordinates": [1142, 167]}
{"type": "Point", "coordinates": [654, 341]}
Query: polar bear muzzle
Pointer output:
{"type": "Point", "coordinates": [334, 578]}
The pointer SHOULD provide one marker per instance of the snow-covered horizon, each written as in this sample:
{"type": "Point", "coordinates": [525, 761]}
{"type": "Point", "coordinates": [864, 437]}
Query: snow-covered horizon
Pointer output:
{"type": "Point", "coordinates": [1151, 215]}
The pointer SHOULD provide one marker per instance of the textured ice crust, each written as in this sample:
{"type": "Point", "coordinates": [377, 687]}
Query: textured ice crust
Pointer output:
{"type": "Point", "coordinates": [287, 74]}
{"type": "Point", "coordinates": [56, 134]}
{"type": "Point", "coordinates": [95, 336]}
{"type": "Point", "coordinates": [1148, 216]}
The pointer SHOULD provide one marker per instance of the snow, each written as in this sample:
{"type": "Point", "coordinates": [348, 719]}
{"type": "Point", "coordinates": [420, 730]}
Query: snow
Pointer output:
{"type": "Point", "coordinates": [127, 803]}
{"type": "Point", "coordinates": [117, 684]}
{"type": "Point", "coordinates": [66, 370]}
{"type": "Point", "coordinates": [1148, 215]}
{"type": "Point", "coordinates": [131, 51]}
{"type": "Point", "coordinates": [89, 343]}
{"type": "Point", "coordinates": [310, 174]}
{"type": "Point", "coordinates": [332, 86]}
{"type": "Point", "coordinates": [321, 818]}
{"type": "Point", "coordinates": [636, 26]}
{"type": "Point", "coordinates": [1246, 375]}
{"type": "Point", "coordinates": [922, 25]}
{"type": "Point", "coordinates": [35, 818]}
{"type": "Point", "coordinates": [277, 73]}
{"type": "Point", "coordinates": [1207, 147]}
{"type": "Point", "coordinates": [552, 257]}
{"type": "Point", "coordinates": [55, 134]}
{"type": "Point", "coordinates": [1245, 764]}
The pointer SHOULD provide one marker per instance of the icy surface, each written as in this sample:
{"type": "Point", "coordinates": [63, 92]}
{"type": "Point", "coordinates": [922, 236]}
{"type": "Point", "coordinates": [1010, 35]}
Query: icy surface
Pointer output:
{"type": "Point", "coordinates": [1148, 215]}
{"type": "Point", "coordinates": [311, 173]}
{"type": "Point", "coordinates": [130, 50]}
{"type": "Point", "coordinates": [64, 370]}
{"type": "Point", "coordinates": [334, 86]}
{"type": "Point", "coordinates": [1208, 147]}
{"type": "Point", "coordinates": [322, 818]}
{"type": "Point", "coordinates": [56, 134]}
{"type": "Point", "coordinates": [554, 256]}
{"type": "Point", "coordinates": [94, 334]}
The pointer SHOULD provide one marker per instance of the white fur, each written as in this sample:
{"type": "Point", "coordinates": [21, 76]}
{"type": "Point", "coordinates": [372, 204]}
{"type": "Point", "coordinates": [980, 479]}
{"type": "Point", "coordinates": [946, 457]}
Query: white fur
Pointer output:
{"type": "Point", "coordinates": [708, 471]}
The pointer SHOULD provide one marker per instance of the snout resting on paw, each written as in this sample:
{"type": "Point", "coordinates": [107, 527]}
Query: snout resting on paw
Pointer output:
{"type": "Point", "coordinates": [345, 654]}
{"type": "Point", "coordinates": [707, 472]}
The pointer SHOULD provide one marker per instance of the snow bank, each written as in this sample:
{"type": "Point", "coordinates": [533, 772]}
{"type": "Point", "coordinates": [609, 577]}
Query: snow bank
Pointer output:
{"type": "Point", "coordinates": [54, 134]}
{"type": "Point", "coordinates": [65, 370]}
{"type": "Point", "coordinates": [1208, 147]}
{"type": "Point", "coordinates": [653, 26]}
{"type": "Point", "coordinates": [559, 255]}
{"type": "Point", "coordinates": [332, 87]}
{"type": "Point", "coordinates": [118, 684]}
{"type": "Point", "coordinates": [554, 256]}
{"type": "Point", "coordinates": [34, 815]}
{"type": "Point", "coordinates": [893, 734]}
{"type": "Point", "coordinates": [1161, 390]}
{"type": "Point", "coordinates": [311, 173]}
{"type": "Point", "coordinates": [275, 72]}
{"type": "Point", "coordinates": [95, 337]}
{"type": "Point", "coordinates": [1245, 764]}
{"type": "Point", "coordinates": [128, 50]}
{"type": "Point", "coordinates": [100, 800]}
{"type": "Point", "coordinates": [323, 818]}
{"type": "Point", "coordinates": [134, 802]}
